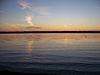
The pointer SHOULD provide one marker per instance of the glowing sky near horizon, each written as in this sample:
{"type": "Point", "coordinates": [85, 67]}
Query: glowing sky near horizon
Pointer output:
{"type": "Point", "coordinates": [49, 15]}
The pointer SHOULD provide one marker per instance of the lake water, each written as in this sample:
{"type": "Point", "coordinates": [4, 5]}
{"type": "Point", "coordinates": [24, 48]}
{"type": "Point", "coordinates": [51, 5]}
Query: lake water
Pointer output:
{"type": "Point", "coordinates": [50, 52]}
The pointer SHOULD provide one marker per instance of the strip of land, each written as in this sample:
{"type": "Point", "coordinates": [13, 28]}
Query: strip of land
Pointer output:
{"type": "Point", "coordinates": [9, 32]}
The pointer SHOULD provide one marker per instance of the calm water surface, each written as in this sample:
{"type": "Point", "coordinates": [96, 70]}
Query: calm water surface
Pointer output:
{"type": "Point", "coordinates": [44, 52]}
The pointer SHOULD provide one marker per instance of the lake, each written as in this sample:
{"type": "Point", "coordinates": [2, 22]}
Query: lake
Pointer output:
{"type": "Point", "coordinates": [55, 53]}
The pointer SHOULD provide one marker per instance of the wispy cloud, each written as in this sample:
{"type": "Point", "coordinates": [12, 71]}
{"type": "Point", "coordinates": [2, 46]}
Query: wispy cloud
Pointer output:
{"type": "Point", "coordinates": [39, 10]}
{"type": "Point", "coordinates": [24, 5]}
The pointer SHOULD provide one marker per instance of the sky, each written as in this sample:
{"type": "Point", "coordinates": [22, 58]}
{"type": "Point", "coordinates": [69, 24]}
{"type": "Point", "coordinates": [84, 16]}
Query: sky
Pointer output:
{"type": "Point", "coordinates": [37, 15]}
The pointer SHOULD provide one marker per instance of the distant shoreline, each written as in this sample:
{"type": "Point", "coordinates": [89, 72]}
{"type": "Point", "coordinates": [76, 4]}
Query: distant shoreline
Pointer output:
{"type": "Point", "coordinates": [15, 32]}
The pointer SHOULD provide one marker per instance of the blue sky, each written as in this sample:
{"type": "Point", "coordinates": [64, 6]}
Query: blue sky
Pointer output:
{"type": "Point", "coordinates": [50, 14]}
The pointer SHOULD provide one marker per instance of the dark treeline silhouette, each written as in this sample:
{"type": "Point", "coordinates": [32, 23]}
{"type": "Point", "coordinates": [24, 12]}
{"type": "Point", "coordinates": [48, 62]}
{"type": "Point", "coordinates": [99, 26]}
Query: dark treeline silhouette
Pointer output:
{"type": "Point", "coordinates": [5, 32]}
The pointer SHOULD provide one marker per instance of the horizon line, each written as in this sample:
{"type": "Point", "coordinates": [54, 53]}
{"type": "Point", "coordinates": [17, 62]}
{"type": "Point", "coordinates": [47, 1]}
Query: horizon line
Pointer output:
{"type": "Point", "coordinates": [8, 32]}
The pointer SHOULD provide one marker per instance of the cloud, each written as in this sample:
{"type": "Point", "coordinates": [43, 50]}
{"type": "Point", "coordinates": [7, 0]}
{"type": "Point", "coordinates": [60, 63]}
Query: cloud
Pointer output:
{"type": "Point", "coordinates": [29, 20]}
{"type": "Point", "coordinates": [39, 10]}
{"type": "Point", "coordinates": [24, 5]}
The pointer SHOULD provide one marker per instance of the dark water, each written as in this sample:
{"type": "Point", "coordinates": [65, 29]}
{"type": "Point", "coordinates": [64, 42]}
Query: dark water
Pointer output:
{"type": "Point", "coordinates": [50, 52]}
